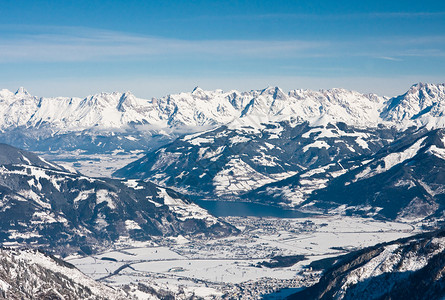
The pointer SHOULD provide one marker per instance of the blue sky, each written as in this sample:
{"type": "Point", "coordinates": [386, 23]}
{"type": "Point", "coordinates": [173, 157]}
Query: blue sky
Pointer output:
{"type": "Point", "coordinates": [152, 48]}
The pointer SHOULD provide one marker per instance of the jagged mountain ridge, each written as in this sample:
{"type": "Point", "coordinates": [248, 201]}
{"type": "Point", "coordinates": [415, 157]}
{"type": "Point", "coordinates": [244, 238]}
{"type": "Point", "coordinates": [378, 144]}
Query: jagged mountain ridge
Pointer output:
{"type": "Point", "coordinates": [67, 212]}
{"type": "Point", "coordinates": [409, 268]}
{"type": "Point", "coordinates": [200, 108]}
{"type": "Point", "coordinates": [122, 118]}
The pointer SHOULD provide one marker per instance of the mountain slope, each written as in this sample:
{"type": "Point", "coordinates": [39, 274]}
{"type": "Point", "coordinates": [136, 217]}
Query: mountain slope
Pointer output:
{"type": "Point", "coordinates": [229, 162]}
{"type": "Point", "coordinates": [13, 156]}
{"type": "Point", "coordinates": [68, 212]}
{"type": "Point", "coordinates": [375, 172]}
{"type": "Point", "coordinates": [30, 274]}
{"type": "Point", "coordinates": [411, 268]}
{"type": "Point", "coordinates": [404, 180]}
{"type": "Point", "coordinates": [422, 105]}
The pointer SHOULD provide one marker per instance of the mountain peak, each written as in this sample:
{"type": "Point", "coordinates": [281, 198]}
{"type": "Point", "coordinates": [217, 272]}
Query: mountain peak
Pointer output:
{"type": "Point", "coordinates": [128, 94]}
{"type": "Point", "coordinates": [126, 98]}
{"type": "Point", "coordinates": [22, 91]}
{"type": "Point", "coordinates": [423, 89]}
{"type": "Point", "coordinates": [270, 89]}
{"type": "Point", "coordinates": [423, 104]}
{"type": "Point", "coordinates": [425, 86]}
{"type": "Point", "coordinates": [275, 91]}
{"type": "Point", "coordinates": [416, 87]}
{"type": "Point", "coordinates": [197, 89]}
{"type": "Point", "coordinates": [198, 92]}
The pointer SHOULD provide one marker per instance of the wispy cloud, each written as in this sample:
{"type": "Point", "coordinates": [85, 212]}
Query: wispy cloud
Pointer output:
{"type": "Point", "coordinates": [317, 16]}
{"type": "Point", "coordinates": [89, 44]}
{"type": "Point", "coordinates": [406, 14]}
{"type": "Point", "coordinates": [390, 58]}
{"type": "Point", "coordinates": [394, 48]}
{"type": "Point", "coordinates": [77, 44]}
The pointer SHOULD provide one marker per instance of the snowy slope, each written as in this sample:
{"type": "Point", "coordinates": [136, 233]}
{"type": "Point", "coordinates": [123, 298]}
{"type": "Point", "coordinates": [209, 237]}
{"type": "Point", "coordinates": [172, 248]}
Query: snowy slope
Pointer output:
{"type": "Point", "coordinates": [421, 105]}
{"type": "Point", "coordinates": [68, 212]}
{"type": "Point", "coordinates": [31, 274]}
{"type": "Point", "coordinates": [228, 162]}
{"type": "Point", "coordinates": [411, 268]}
{"type": "Point", "coordinates": [404, 180]}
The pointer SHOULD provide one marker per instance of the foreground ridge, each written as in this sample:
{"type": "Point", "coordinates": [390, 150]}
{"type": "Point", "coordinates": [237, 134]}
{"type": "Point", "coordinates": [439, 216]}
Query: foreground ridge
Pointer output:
{"type": "Point", "coordinates": [410, 268]}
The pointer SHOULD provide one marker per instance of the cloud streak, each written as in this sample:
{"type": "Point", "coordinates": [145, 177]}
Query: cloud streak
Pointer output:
{"type": "Point", "coordinates": [86, 45]}
{"type": "Point", "coordinates": [318, 17]}
{"type": "Point", "coordinates": [390, 58]}
{"type": "Point", "coordinates": [76, 44]}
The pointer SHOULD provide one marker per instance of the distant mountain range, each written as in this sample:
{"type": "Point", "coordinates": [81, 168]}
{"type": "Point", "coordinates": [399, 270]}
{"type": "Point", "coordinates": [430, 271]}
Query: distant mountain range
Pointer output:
{"type": "Point", "coordinates": [110, 121]}
{"type": "Point", "coordinates": [419, 105]}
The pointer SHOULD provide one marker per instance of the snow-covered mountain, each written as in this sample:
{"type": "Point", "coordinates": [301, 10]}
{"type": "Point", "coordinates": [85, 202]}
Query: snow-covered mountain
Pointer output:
{"type": "Point", "coordinates": [267, 145]}
{"type": "Point", "coordinates": [44, 204]}
{"type": "Point", "coordinates": [410, 268]}
{"type": "Point", "coordinates": [422, 105]}
{"type": "Point", "coordinates": [404, 180]}
{"type": "Point", "coordinates": [201, 108]}
{"type": "Point", "coordinates": [31, 274]}
{"type": "Point", "coordinates": [229, 162]}
{"type": "Point", "coordinates": [198, 108]}
{"type": "Point", "coordinates": [109, 121]}
{"type": "Point", "coordinates": [377, 172]}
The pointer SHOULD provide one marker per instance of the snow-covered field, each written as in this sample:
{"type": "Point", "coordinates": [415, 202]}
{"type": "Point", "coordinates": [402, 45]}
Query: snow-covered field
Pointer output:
{"type": "Point", "coordinates": [94, 165]}
{"type": "Point", "coordinates": [212, 267]}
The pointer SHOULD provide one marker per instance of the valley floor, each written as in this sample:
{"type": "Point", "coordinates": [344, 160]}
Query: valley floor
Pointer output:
{"type": "Point", "coordinates": [94, 165]}
{"type": "Point", "coordinates": [241, 266]}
